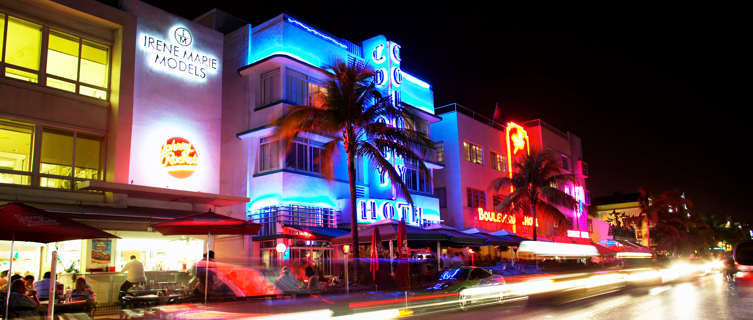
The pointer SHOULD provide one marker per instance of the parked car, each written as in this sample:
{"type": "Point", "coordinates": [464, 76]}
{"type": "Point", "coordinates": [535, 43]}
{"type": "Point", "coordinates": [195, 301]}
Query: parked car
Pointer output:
{"type": "Point", "coordinates": [743, 256]}
{"type": "Point", "coordinates": [472, 285]}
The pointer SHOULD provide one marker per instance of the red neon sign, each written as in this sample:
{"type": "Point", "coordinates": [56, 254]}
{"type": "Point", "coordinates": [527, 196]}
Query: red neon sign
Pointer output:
{"type": "Point", "coordinates": [179, 157]}
{"type": "Point", "coordinates": [509, 219]}
{"type": "Point", "coordinates": [517, 137]}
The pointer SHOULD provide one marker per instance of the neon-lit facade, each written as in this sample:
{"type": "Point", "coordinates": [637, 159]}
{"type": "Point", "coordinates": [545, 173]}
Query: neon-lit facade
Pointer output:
{"type": "Point", "coordinates": [477, 151]}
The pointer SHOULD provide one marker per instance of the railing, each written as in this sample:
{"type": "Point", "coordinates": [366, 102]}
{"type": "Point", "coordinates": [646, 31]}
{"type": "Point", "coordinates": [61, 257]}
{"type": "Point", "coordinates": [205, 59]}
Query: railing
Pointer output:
{"type": "Point", "coordinates": [473, 114]}
{"type": "Point", "coordinates": [34, 179]}
{"type": "Point", "coordinates": [270, 217]}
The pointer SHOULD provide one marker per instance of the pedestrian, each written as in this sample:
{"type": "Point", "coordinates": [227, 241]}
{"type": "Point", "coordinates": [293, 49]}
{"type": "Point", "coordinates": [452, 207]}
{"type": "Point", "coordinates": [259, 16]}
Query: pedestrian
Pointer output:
{"type": "Point", "coordinates": [42, 287]}
{"type": "Point", "coordinates": [456, 261]}
{"type": "Point", "coordinates": [136, 274]}
{"type": "Point", "coordinates": [313, 276]}
{"type": "Point", "coordinates": [29, 280]}
{"type": "Point", "coordinates": [82, 291]}
{"type": "Point", "coordinates": [445, 261]}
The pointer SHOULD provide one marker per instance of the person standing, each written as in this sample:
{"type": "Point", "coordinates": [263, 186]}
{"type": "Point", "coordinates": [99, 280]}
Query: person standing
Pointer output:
{"type": "Point", "coordinates": [136, 275]}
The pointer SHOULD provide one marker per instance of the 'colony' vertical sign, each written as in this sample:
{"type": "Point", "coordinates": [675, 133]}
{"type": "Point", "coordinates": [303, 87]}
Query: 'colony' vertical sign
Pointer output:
{"type": "Point", "coordinates": [176, 54]}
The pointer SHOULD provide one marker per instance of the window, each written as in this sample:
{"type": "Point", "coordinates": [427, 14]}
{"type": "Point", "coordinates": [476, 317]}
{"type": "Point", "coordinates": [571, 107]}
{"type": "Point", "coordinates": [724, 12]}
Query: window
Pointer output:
{"type": "Point", "coordinates": [67, 157]}
{"type": "Point", "coordinates": [303, 90]}
{"type": "Point", "coordinates": [439, 147]}
{"type": "Point", "coordinates": [304, 155]}
{"type": "Point", "coordinates": [23, 48]}
{"type": "Point", "coordinates": [499, 162]}
{"type": "Point", "coordinates": [72, 64]}
{"type": "Point", "coordinates": [269, 155]}
{"type": "Point", "coordinates": [496, 200]}
{"type": "Point", "coordinates": [476, 198]}
{"type": "Point", "coordinates": [565, 163]}
{"type": "Point", "coordinates": [473, 153]}
{"type": "Point", "coordinates": [415, 179]}
{"type": "Point", "coordinates": [15, 152]}
{"type": "Point", "coordinates": [441, 193]}
{"type": "Point", "coordinates": [270, 87]}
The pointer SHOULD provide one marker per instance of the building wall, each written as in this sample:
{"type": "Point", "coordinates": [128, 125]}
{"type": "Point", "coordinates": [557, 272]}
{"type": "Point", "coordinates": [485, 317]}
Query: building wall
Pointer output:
{"type": "Point", "coordinates": [173, 103]}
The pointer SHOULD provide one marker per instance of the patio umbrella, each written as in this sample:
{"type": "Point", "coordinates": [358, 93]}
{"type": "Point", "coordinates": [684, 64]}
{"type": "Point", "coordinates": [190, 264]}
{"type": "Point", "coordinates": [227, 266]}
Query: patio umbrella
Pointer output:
{"type": "Point", "coordinates": [403, 268]}
{"type": "Point", "coordinates": [376, 244]}
{"type": "Point", "coordinates": [208, 223]}
{"type": "Point", "coordinates": [22, 222]}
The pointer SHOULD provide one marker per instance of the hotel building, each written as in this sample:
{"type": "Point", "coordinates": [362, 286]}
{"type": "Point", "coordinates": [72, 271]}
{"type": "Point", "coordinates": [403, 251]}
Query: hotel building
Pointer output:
{"type": "Point", "coordinates": [476, 151]}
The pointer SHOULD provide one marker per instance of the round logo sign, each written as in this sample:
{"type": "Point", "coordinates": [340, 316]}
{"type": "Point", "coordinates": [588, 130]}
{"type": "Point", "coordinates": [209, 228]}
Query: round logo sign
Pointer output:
{"type": "Point", "coordinates": [182, 36]}
{"type": "Point", "coordinates": [377, 55]}
{"type": "Point", "coordinates": [179, 157]}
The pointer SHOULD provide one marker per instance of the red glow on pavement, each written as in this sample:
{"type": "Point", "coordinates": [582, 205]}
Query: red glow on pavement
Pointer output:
{"type": "Point", "coordinates": [398, 300]}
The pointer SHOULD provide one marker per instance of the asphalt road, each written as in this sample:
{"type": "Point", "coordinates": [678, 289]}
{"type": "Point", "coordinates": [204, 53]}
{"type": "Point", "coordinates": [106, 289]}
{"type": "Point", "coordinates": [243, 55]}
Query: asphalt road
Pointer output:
{"type": "Point", "coordinates": [708, 297]}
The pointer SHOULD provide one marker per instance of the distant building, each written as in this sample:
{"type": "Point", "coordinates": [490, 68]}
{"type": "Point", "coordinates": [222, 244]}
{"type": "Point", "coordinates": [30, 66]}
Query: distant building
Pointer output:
{"type": "Point", "coordinates": [622, 204]}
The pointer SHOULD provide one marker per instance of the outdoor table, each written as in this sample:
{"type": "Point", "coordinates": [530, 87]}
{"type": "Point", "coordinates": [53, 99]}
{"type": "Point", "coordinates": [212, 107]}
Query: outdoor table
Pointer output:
{"type": "Point", "coordinates": [65, 306]}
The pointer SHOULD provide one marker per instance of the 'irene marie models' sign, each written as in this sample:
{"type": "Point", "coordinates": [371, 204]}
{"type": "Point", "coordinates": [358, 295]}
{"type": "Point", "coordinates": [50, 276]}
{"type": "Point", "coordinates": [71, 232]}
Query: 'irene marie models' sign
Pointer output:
{"type": "Point", "coordinates": [177, 55]}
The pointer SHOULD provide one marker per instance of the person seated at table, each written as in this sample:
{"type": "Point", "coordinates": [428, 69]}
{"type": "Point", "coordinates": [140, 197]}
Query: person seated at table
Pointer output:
{"type": "Point", "coordinates": [286, 282]}
{"type": "Point", "coordinates": [42, 287]}
{"type": "Point", "coordinates": [12, 278]}
{"type": "Point", "coordinates": [82, 291]}
{"type": "Point", "coordinates": [29, 280]}
{"type": "Point", "coordinates": [20, 304]}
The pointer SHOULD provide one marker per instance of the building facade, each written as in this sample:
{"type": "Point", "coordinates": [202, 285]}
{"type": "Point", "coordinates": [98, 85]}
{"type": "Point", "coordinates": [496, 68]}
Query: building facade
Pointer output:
{"type": "Point", "coordinates": [112, 116]}
{"type": "Point", "coordinates": [477, 150]}
{"type": "Point", "coordinates": [286, 64]}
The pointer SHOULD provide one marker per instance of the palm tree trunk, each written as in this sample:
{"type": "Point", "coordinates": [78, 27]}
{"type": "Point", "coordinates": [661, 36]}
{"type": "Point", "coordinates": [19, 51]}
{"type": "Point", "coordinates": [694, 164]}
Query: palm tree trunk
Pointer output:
{"type": "Point", "coordinates": [350, 149]}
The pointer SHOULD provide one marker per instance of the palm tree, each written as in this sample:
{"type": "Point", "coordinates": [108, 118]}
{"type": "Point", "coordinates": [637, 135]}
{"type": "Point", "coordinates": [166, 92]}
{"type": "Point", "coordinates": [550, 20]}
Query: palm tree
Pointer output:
{"type": "Point", "coordinates": [533, 181]}
{"type": "Point", "coordinates": [349, 112]}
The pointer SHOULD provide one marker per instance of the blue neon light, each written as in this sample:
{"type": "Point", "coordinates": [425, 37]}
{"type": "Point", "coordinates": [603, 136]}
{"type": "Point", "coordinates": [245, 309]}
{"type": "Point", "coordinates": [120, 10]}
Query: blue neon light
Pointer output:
{"type": "Point", "coordinates": [416, 81]}
{"type": "Point", "coordinates": [317, 33]}
{"type": "Point", "coordinates": [449, 274]}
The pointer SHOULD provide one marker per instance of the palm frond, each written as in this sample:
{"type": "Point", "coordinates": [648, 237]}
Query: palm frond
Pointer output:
{"type": "Point", "coordinates": [326, 158]}
{"type": "Point", "coordinates": [368, 151]}
{"type": "Point", "coordinates": [557, 197]}
{"type": "Point", "coordinates": [499, 183]}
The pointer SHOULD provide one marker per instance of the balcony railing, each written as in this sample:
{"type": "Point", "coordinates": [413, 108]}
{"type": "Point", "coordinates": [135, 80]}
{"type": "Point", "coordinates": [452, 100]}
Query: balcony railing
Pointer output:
{"type": "Point", "coordinates": [272, 217]}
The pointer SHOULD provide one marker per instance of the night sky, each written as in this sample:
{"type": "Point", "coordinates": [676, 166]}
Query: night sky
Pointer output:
{"type": "Point", "coordinates": [656, 93]}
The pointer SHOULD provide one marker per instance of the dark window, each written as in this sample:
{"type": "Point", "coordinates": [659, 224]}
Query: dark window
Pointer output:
{"type": "Point", "coordinates": [479, 273]}
{"type": "Point", "coordinates": [565, 163]}
{"type": "Point", "coordinates": [476, 198]}
{"type": "Point", "coordinates": [441, 193]}
{"type": "Point", "coordinates": [305, 156]}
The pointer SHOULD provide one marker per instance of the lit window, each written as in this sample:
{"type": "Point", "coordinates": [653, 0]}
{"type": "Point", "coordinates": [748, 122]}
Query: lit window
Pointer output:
{"type": "Point", "coordinates": [498, 162]}
{"type": "Point", "coordinates": [2, 33]}
{"type": "Point", "coordinates": [62, 61]}
{"type": "Point", "coordinates": [473, 153]}
{"type": "Point", "coordinates": [15, 152]}
{"type": "Point", "coordinates": [94, 67]}
{"type": "Point", "coordinates": [23, 50]}
{"type": "Point", "coordinates": [303, 90]}
{"type": "Point", "coordinates": [57, 161]}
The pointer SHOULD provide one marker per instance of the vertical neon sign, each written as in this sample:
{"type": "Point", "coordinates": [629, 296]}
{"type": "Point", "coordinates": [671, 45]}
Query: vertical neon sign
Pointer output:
{"type": "Point", "coordinates": [517, 137]}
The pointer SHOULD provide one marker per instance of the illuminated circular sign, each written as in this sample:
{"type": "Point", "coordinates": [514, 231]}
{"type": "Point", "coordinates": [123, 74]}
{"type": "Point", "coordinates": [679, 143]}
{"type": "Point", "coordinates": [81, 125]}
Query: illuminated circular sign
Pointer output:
{"type": "Point", "coordinates": [397, 76]}
{"type": "Point", "coordinates": [281, 247]}
{"type": "Point", "coordinates": [182, 36]}
{"type": "Point", "coordinates": [378, 54]}
{"type": "Point", "coordinates": [395, 51]}
{"type": "Point", "coordinates": [179, 157]}
{"type": "Point", "coordinates": [380, 77]}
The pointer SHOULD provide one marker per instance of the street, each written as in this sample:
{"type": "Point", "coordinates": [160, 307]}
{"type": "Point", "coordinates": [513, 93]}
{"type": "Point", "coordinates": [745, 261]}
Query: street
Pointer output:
{"type": "Point", "coordinates": [705, 298]}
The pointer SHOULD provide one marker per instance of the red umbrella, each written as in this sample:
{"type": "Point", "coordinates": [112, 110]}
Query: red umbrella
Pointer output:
{"type": "Point", "coordinates": [21, 222]}
{"type": "Point", "coordinates": [376, 244]}
{"type": "Point", "coordinates": [403, 268]}
{"type": "Point", "coordinates": [206, 223]}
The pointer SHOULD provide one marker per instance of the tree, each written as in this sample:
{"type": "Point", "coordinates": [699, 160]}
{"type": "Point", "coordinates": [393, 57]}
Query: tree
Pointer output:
{"type": "Point", "coordinates": [534, 179]}
{"type": "Point", "coordinates": [349, 111]}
